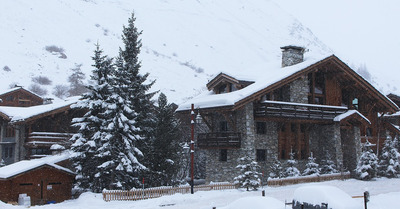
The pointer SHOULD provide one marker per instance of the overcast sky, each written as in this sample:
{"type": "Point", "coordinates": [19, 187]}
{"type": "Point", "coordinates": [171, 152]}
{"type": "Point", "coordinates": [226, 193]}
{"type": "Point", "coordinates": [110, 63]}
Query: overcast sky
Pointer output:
{"type": "Point", "coordinates": [358, 31]}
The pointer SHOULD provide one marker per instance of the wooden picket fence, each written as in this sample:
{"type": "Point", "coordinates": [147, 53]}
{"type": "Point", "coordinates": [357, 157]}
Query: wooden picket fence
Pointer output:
{"type": "Point", "coordinates": [140, 194]}
{"type": "Point", "coordinates": [308, 179]}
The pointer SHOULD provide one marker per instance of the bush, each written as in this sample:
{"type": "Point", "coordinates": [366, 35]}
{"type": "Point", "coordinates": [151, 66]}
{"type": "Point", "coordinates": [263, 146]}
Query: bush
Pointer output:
{"type": "Point", "coordinates": [42, 80]}
{"type": "Point", "coordinates": [6, 68]}
{"type": "Point", "coordinates": [61, 91]}
{"type": "Point", "coordinates": [36, 88]}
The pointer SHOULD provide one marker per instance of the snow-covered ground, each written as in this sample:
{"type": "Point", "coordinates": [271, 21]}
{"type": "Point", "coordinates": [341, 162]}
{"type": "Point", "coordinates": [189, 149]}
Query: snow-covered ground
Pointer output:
{"type": "Point", "coordinates": [385, 194]}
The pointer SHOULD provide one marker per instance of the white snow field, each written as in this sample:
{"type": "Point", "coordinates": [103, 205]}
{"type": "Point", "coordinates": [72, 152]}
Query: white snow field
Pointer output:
{"type": "Point", "coordinates": [385, 194]}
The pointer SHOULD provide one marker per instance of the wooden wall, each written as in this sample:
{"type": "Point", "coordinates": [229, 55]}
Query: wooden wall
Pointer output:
{"type": "Point", "coordinates": [43, 185]}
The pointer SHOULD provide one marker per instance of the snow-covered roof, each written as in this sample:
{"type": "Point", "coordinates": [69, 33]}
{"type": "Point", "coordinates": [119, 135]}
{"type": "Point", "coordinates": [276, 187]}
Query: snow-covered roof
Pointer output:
{"type": "Point", "coordinates": [272, 75]}
{"type": "Point", "coordinates": [17, 88]}
{"type": "Point", "coordinates": [349, 113]}
{"type": "Point", "coordinates": [27, 165]}
{"type": "Point", "coordinates": [16, 114]}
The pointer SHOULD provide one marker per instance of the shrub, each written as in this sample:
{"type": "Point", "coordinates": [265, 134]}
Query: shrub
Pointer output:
{"type": "Point", "coordinates": [36, 88]}
{"type": "Point", "coordinates": [42, 80]}
{"type": "Point", "coordinates": [60, 91]}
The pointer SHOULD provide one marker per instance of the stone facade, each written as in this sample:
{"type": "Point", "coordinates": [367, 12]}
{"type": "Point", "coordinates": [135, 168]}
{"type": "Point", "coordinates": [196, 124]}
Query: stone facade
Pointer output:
{"type": "Point", "coordinates": [292, 55]}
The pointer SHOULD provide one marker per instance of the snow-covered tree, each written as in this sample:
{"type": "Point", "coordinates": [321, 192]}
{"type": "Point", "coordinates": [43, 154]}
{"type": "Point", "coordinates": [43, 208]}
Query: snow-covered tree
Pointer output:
{"type": "Point", "coordinates": [250, 175]}
{"type": "Point", "coordinates": [291, 169]}
{"type": "Point", "coordinates": [88, 142]}
{"type": "Point", "coordinates": [327, 165]}
{"type": "Point", "coordinates": [368, 163]}
{"type": "Point", "coordinates": [2, 163]}
{"type": "Point", "coordinates": [389, 165]}
{"type": "Point", "coordinates": [163, 148]}
{"type": "Point", "coordinates": [312, 168]}
{"type": "Point", "coordinates": [276, 169]}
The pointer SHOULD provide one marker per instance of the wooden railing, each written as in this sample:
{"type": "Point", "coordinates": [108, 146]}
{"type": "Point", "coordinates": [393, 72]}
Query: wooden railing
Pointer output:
{"type": "Point", "coordinates": [219, 140]}
{"type": "Point", "coordinates": [48, 138]}
{"type": "Point", "coordinates": [140, 194]}
{"type": "Point", "coordinates": [297, 110]}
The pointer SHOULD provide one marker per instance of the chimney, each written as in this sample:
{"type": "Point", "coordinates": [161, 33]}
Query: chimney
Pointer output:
{"type": "Point", "coordinates": [292, 55]}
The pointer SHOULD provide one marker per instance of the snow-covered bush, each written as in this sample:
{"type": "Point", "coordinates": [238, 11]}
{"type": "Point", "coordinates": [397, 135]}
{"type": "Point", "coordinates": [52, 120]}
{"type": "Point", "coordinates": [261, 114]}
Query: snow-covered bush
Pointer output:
{"type": "Point", "coordinates": [276, 169]}
{"type": "Point", "coordinates": [389, 160]}
{"type": "Point", "coordinates": [249, 177]}
{"type": "Point", "coordinates": [327, 165]}
{"type": "Point", "coordinates": [291, 169]}
{"type": "Point", "coordinates": [312, 168]}
{"type": "Point", "coordinates": [368, 163]}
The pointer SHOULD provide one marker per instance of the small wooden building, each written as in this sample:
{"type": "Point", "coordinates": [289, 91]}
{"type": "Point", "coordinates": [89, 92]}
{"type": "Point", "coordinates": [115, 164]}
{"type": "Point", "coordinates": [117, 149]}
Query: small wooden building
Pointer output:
{"type": "Point", "coordinates": [44, 180]}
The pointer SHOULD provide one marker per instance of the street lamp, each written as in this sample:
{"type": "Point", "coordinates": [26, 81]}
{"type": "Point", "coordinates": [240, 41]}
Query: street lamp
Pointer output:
{"type": "Point", "coordinates": [192, 150]}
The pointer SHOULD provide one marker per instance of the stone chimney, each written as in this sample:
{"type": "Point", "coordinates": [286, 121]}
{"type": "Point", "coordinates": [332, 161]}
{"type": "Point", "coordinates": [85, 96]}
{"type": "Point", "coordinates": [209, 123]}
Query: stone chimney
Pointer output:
{"type": "Point", "coordinates": [292, 55]}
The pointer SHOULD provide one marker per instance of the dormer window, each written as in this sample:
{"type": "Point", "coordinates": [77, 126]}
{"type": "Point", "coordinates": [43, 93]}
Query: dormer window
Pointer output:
{"type": "Point", "coordinates": [223, 89]}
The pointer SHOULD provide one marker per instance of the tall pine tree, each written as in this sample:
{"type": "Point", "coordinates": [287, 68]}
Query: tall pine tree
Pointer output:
{"type": "Point", "coordinates": [162, 153]}
{"type": "Point", "coordinates": [88, 140]}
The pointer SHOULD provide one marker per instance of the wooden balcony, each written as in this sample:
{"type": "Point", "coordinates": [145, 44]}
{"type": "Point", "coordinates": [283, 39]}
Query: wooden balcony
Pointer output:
{"type": "Point", "coordinates": [297, 110]}
{"type": "Point", "coordinates": [219, 140]}
{"type": "Point", "coordinates": [46, 139]}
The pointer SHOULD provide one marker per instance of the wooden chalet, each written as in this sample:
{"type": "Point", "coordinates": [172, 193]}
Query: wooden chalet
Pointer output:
{"type": "Point", "coordinates": [30, 131]}
{"type": "Point", "coordinates": [20, 97]}
{"type": "Point", "coordinates": [44, 180]}
{"type": "Point", "coordinates": [317, 105]}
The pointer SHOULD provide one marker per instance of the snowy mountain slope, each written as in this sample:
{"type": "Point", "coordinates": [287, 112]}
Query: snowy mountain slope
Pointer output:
{"type": "Point", "coordinates": [184, 42]}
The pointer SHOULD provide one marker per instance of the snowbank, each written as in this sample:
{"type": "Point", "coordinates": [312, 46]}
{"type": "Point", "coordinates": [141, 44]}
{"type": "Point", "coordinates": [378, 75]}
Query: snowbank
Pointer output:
{"type": "Point", "coordinates": [255, 203]}
{"type": "Point", "coordinates": [317, 194]}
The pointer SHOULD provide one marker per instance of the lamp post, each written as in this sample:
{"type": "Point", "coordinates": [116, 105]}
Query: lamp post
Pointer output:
{"type": "Point", "coordinates": [192, 150]}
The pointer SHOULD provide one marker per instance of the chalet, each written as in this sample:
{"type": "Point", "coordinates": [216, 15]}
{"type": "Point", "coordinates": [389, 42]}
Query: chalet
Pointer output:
{"type": "Point", "coordinates": [392, 121]}
{"type": "Point", "coordinates": [44, 180]}
{"type": "Point", "coordinates": [28, 128]}
{"type": "Point", "coordinates": [312, 104]}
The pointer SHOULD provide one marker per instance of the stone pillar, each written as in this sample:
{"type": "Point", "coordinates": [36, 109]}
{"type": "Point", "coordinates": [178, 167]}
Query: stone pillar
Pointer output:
{"type": "Point", "coordinates": [299, 90]}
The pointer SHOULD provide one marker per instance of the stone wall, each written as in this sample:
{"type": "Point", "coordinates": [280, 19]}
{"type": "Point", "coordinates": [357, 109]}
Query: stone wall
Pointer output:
{"type": "Point", "coordinates": [299, 90]}
{"type": "Point", "coordinates": [326, 138]}
{"type": "Point", "coordinates": [351, 141]}
{"type": "Point", "coordinates": [269, 142]}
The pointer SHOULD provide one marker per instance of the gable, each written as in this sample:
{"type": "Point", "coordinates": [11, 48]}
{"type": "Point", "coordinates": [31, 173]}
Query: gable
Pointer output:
{"type": "Point", "coordinates": [20, 97]}
{"type": "Point", "coordinates": [224, 83]}
{"type": "Point", "coordinates": [339, 75]}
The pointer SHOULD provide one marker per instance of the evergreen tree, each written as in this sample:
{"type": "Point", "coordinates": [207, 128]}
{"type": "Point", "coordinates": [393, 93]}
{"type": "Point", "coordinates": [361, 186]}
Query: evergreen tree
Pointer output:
{"type": "Point", "coordinates": [327, 165]}
{"type": "Point", "coordinates": [389, 162]}
{"type": "Point", "coordinates": [276, 169]}
{"type": "Point", "coordinates": [76, 79]}
{"type": "Point", "coordinates": [291, 169]}
{"type": "Point", "coordinates": [249, 177]}
{"type": "Point", "coordinates": [312, 168]}
{"type": "Point", "coordinates": [162, 150]}
{"type": "Point", "coordinates": [367, 165]}
{"type": "Point", "coordinates": [88, 140]}
{"type": "Point", "coordinates": [2, 163]}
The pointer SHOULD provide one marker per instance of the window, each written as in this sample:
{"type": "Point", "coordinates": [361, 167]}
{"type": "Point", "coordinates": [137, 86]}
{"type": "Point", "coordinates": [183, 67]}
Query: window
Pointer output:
{"type": "Point", "coordinates": [223, 89]}
{"type": "Point", "coordinates": [261, 127]}
{"type": "Point", "coordinates": [317, 88]}
{"type": "Point", "coordinates": [10, 131]}
{"type": "Point", "coordinates": [355, 103]}
{"type": "Point", "coordinates": [260, 155]}
{"type": "Point", "coordinates": [368, 132]}
{"type": "Point", "coordinates": [223, 155]}
{"type": "Point", "coordinates": [8, 152]}
{"type": "Point", "coordinates": [223, 126]}
{"type": "Point", "coordinates": [10, 98]}
{"type": "Point", "coordinates": [40, 151]}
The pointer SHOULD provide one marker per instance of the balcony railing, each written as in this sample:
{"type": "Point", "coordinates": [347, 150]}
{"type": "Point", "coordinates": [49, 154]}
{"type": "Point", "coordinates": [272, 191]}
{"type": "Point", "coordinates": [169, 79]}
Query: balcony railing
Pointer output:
{"type": "Point", "coordinates": [219, 140]}
{"type": "Point", "coordinates": [297, 110]}
{"type": "Point", "coordinates": [46, 139]}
